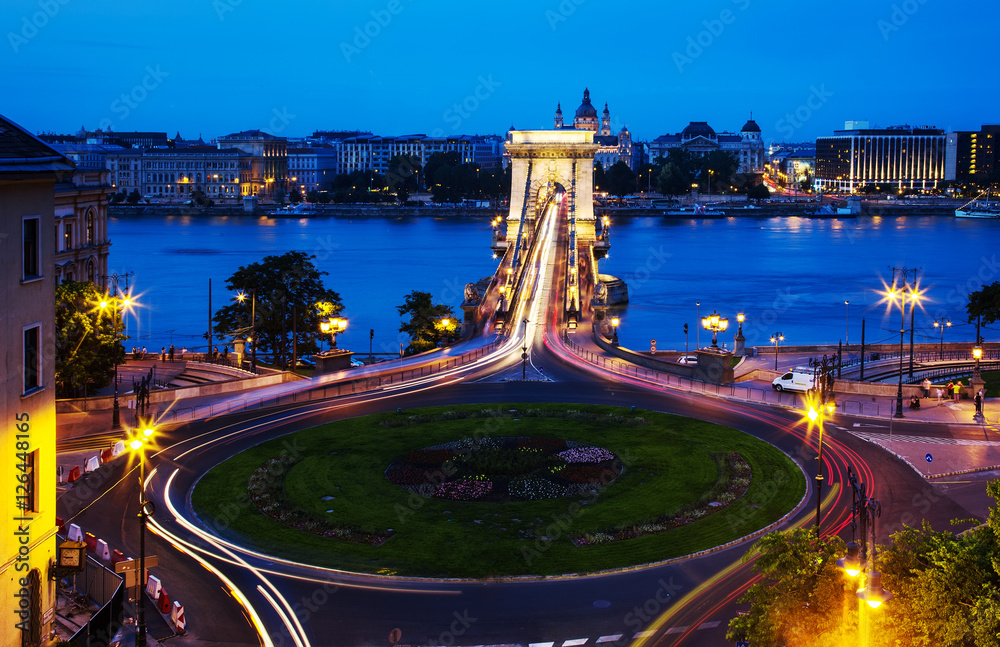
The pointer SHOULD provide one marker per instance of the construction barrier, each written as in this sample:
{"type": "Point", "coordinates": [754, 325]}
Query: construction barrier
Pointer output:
{"type": "Point", "coordinates": [91, 465]}
{"type": "Point", "coordinates": [91, 542]}
{"type": "Point", "coordinates": [163, 603]}
{"type": "Point", "coordinates": [153, 587]}
{"type": "Point", "coordinates": [74, 474]}
{"type": "Point", "coordinates": [75, 533]}
{"type": "Point", "coordinates": [177, 617]}
{"type": "Point", "coordinates": [117, 556]}
{"type": "Point", "coordinates": [119, 448]}
{"type": "Point", "coordinates": [106, 456]}
{"type": "Point", "coordinates": [103, 552]}
{"type": "Point", "coordinates": [61, 525]}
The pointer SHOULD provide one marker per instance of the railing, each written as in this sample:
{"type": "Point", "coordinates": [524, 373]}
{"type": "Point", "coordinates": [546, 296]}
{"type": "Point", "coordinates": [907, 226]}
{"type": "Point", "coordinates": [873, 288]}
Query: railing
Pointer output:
{"type": "Point", "coordinates": [107, 589]}
{"type": "Point", "coordinates": [364, 384]}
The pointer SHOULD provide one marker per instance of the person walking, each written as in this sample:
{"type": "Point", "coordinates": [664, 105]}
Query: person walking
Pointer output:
{"type": "Point", "coordinates": [979, 401]}
{"type": "Point", "coordinates": [926, 384]}
{"type": "Point", "coordinates": [163, 354]}
{"type": "Point", "coordinates": [940, 394]}
{"type": "Point", "coordinates": [171, 351]}
{"type": "Point", "coordinates": [957, 390]}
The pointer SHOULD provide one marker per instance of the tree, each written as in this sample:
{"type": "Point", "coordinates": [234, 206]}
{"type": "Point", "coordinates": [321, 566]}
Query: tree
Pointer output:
{"type": "Point", "coordinates": [985, 303]}
{"type": "Point", "coordinates": [720, 166]}
{"type": "Point", "coordinates": [427, 328]}
{"type": "Point", "coordinates": [133, 197]}
{"type": "Point", "coordinates": [403, 173]}
{"type": "Point", "coordinates": [435, 162]}
{"type": "Point", "coordinates": [86, 342]}
{"type": "Point", "coordinates": [620, 179]}
{"type": "Point", "coordinates": [279, 285]}
{"type": "Point", "coordinates": [758, 192]}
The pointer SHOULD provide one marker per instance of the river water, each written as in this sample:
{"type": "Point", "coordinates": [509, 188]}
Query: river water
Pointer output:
{"type": "Point", "coordinates": [787, 274]}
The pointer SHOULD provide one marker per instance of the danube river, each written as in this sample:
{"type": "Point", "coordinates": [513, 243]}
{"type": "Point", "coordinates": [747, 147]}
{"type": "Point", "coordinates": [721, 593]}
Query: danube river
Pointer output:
{"type": "Point", "coordinates": [789, 274]}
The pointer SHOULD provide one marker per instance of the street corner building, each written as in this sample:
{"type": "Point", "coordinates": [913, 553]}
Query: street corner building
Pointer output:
{"type": "Point", "coordinates": [29, 170]}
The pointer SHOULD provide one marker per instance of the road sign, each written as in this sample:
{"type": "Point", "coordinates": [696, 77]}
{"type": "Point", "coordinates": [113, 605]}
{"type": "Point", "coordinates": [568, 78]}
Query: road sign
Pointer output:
{"type": "Point", "coordinates": [524, 356]}
{"type": "Point", "coordinates": [652, 345]}
{"type": "Point", "coordinates": [928, 458]}
{"type": "Point", "coordinates": [133, 564]}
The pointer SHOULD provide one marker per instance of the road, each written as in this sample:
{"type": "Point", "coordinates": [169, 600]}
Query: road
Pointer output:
{"type": "Point", "coordinates": [685, 602]}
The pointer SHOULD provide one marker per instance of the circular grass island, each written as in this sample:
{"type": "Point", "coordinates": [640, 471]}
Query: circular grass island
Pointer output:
{"type": "Point", "coordinates": [508, 490]}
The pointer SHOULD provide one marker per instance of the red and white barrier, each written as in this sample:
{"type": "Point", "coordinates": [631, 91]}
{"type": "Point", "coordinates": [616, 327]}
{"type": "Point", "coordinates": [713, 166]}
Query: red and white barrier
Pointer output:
{"type": "Point", "coordinates": [75, 533]}
{"type": "Point", "coordinates": [177, 617]}
{"type": "Point", "coordinates": [91, 542]}
{"type": "Point", "coordinates": [103, 552]}
{"type": "Point", "coordinates": [153, 587]}
{"type": "Point", "coordinates": [163, 602]}
{"type": "Point", "coordinates": [91, 465]}
{"type": "Point", "coordinates": [74, 474]}
{"type": "Point", "coordinates": [119, 448]}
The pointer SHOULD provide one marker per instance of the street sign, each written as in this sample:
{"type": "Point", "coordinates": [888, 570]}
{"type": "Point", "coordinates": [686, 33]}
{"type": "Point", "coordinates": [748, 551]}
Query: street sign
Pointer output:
{"type": "Point", "coordinates": [133, 564]}
{"type": "Point", "coordinates": [928, 458]}
{"type": "Point", "coordinates": [524, 356]}
{"type": "Point", "coordinates": [652, 345]}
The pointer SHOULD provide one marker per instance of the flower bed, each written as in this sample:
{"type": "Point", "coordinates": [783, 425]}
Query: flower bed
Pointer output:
{"type": "Point", "coordinates": [734, 480]}
{"type": "Point", "coordinates": [504, 469]}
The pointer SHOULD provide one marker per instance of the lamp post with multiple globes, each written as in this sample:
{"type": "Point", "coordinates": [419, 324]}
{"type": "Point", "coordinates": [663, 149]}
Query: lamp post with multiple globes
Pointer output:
{"type": "Point", "coordinates": [138, 445]}
{"type": "Point", "coordinates": [715, 324]}
{"type": "Point", "coordinates": [119, 303]}
{"type": "Point", "coordinates": [241, 297]}
{"type": "Point", "coordinates": [334, 326]}
{"type": "Point", "coordinates": [775, 338]}
{"type": "Point", "coordinates": [856, 561]}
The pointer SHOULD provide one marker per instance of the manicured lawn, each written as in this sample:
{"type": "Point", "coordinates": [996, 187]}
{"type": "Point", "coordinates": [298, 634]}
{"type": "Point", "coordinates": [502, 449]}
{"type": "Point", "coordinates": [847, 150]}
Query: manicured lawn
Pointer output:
{"type": "Point", "coordinates": [668, 463]}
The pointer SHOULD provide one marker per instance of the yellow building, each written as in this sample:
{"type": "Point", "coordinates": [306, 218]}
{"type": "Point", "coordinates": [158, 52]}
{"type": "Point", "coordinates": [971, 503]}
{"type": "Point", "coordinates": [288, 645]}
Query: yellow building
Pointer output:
{"type": "Point", "coordinates": [28, 169]}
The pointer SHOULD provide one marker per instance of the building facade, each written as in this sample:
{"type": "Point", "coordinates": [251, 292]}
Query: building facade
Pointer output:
{"type": "Point", "coordinates": [310, 167]}
{"type": "Point", "coordinates": [910, 158]}
{"type": "Point", "coordinates": [268, 160]}
{"type": "Point", "coordinates": [176, 173]}
{"type": "Point", "coordinates": [81, 215]}
{"type": "Point", "coordinates": [972, 156]}
{"type": "Point", "coordinates": [613, 148]}
{"type": "Point", "coordinates": [701, 139]}
{"type": "Point", "coordinates": [373, 152]}
{"type": "Point", "coordinates": [28, 169]}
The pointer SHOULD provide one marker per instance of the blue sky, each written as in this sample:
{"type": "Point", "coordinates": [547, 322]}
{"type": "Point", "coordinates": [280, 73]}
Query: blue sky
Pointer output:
{"type": "Point", "coordinates": [407, 66]}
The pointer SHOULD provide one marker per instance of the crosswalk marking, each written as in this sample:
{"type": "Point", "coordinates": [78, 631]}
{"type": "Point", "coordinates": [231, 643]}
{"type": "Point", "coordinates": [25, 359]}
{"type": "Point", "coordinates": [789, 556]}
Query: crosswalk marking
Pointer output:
{"type": "Point", "coordinates": [609, 639]}
{"type": "Point", "coordinates": [575, 642]}
{"type": "Point", "coordinates": [928, 439]}
{"type": "Point", "coordinates": [710, 625]}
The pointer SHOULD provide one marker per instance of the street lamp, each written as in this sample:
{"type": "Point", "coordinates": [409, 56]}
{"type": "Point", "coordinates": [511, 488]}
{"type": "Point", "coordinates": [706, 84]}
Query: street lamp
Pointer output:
{"type": "Point", "coordinates": [241, 297]}
{"type": "Point", "coordinates": [614, 325]}
{"type": "Point", "coordinates": [868, 509]}
{"type": "Point", "coordinates": [119, 303]}
{"type": "Point", "coordinates": [715, 323]}
{"type": "Point", "coordinates": [138, 445]}
{"type": "Point", "coordinates": [891, 295]}
{"type": "Point", "coordinates": [775, 338]}
{"type": "Point", "coordinates": [847, 319]}
{"type": "Point", "coordinates": [334, 326]}
{"type": "Point", "coordinates": [977, 352]}
{"type": "Point", "coordinates": [942, 325]}
{"type": "Point", "coordinates": [819, 411]}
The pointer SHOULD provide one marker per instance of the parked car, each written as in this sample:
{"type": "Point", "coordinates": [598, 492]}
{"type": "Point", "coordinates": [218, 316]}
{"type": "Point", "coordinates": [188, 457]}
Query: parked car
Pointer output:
{"type": "Point", "coordinates": [687, 359]}
{"type": "Point", "coordinates": [355, 363]}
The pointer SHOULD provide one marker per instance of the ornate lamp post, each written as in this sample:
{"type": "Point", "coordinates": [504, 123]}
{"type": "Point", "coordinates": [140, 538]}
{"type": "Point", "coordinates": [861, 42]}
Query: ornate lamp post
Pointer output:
{"type": "Point", "coordinates": [138, 445]}
{"type": "Point", "coordinates": [614, 326]}
{"type": "Point", "coordinates": [942, 325]}
{"type": "Point", "coordinates": [856, 561]}
{"type": "Point", "coordinates": [977, 352]}
{"type": "Point", "coordinates": [775, 338]}
{"type": "Point", "coordinates": [819, 411]}
{"type": "Point", "coordinates": [241, 297]}
{"type": "Point", "coordinates": [715, 323]}
{"type": "Point", "coordinates": [334, 326]}
{"type": "Point", "coordinates": [900, 293]}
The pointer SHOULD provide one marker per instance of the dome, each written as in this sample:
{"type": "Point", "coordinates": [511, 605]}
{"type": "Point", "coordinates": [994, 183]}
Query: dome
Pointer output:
{"type": "Point", "coordinates": [750, 127]}
{"type": "Point", "coordinates": [606, 113]}
{"type": "Point", "coordinates": [558, 108]}
{"type": "Point", "coordinates": [698, 129]}
{"type": "Point", "coordinates": [586, 108]}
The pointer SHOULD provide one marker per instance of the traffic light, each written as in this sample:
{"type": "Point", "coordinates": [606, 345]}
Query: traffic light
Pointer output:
{"type": "Point", "coordinates": [371, 333]}
{"type": "Point", "coordinates": [685, 329]}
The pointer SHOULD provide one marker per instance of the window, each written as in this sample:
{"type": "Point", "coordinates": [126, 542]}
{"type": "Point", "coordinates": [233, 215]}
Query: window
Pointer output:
{"type": "Point", "coordinates": [32, 357]}
{"type": "Point", "coordinates": [32, 248]}
{"type": "Point", "coordinates": [90, 227]}
{"type": "Point", "coordinates": [68, 235]}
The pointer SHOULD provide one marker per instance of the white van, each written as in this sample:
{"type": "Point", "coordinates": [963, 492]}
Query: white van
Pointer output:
{"type": "Point", "coordinates": [799, 378]}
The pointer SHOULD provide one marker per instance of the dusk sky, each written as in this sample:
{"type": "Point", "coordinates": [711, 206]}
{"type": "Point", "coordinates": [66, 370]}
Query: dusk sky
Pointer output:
{"type": "Point", "coordinates": [211, 67]}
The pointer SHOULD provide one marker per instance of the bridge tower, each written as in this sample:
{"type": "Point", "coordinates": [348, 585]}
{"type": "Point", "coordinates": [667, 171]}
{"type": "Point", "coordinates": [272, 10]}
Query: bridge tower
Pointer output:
{"type": "Point", "coordinates": [541, 159]}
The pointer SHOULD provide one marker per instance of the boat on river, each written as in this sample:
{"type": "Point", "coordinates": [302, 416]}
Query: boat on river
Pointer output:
{"type": "Point", "coordinates": [979, 209]}
{"type": "Point", "coordinates": [295, 211]}
{"type": "Point", "coordinates": [696, 211]}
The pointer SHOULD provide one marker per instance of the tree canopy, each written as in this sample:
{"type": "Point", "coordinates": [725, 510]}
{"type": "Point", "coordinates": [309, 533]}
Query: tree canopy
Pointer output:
{"type": "Point", "coordinates": [946, 590]}
{"type": "Point", "coordinates": [985, 303]}
{"type": "Point", "coordinates": [86, 342]}
{"type": "Point", "coordinates": [430, 325]}
{"type": "Point", "coordinates": [620, 179]}
{"type": "Point", "coordinates": [274, 287]}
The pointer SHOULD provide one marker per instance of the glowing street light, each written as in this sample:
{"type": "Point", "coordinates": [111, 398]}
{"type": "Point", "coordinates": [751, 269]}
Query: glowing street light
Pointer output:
{"type": "Point", "coordinates": [715, 323]}
{"type": "Point", "coordinates": [334, 326]}
{"type": "Point", "coordinates": [138, 445]}
{"type": "Point", "coordinates": [775, 338]}
{"type": "Point", "coordinates": [945, 323]}
{"type": "Point", "coordinates": [615, 321]}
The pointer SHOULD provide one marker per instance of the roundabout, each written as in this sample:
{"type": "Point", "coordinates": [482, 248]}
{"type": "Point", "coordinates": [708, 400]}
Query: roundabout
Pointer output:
{"type": "Point", "coordinates": [498, 491]}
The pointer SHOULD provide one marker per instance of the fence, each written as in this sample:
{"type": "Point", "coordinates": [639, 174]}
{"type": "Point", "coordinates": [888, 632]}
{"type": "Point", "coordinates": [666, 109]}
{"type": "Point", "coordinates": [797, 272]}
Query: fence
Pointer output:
{"type": "Point", "coordinates": [107, 589]}
{"type": "Point", "coordinates": [337, 389]}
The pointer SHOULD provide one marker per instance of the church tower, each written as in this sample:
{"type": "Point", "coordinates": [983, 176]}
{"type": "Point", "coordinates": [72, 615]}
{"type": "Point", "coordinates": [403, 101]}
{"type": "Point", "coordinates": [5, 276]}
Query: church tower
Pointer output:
{"type": "Point", "coordinates": [559, 116]}
{"type": "Point", "coordinates": [586, 114]}
{"type": "Point", "coordinates": [606, 121]}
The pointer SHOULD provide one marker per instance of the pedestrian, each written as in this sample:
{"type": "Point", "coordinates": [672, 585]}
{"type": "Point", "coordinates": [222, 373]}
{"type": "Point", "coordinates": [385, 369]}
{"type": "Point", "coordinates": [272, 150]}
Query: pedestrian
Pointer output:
{"type": "Point", "coordinates": [184, 352]}
{"type": "Point", "coordinates": [143, 352]}
{"type": "Point", "coordinates": [940, 394]}
{"type": "Point", "coordinates": [225, 353]}
{"type": "Point", "coordinates": [215, 354]}
{"type": "Point", "coordinates": [163, 354]}
{"type": "Point", "coordinates": [957, 389]}
{"type": "Point", "coordinates": [979, 401]}
{"type": "Point", "coordinates": [926, 384]}
{"type": "Point", "coordinates": [171, 351]}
